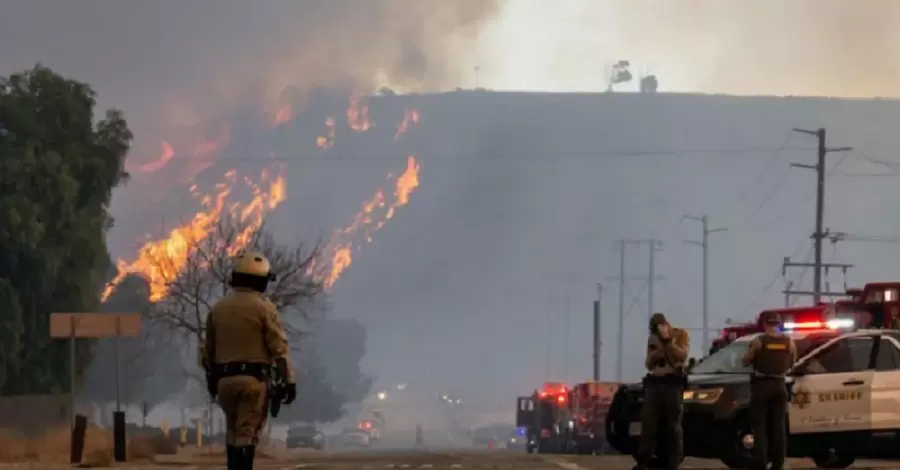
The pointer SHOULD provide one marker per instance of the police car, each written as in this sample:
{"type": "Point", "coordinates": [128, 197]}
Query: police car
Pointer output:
{"type": "Point", "coordinates": [845, 398]}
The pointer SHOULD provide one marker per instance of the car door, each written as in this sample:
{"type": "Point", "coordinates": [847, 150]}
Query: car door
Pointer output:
{"type": "Point", "coordinates": [832, 387]}
{"type": "Point", "coordinates": [886, 384]}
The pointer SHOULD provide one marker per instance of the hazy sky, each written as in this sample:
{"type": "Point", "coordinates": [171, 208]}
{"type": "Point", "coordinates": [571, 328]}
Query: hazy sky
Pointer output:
{"type": "Point", "coordinates": [765, 47]}
{"type": "Point", "coordinates": [183, 71]}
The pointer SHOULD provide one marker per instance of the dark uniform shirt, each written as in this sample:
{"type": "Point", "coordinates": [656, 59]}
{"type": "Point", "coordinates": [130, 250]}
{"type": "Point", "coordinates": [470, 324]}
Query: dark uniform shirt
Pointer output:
{"type": "Point", "coordinates": [771, 354]}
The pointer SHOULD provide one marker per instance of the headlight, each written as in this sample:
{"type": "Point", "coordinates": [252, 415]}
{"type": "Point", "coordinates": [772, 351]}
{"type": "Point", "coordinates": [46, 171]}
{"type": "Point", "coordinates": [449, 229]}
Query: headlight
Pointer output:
{"type": "Point", "coordinates": [706, 395]}
{"type": "Point", "coordinates": [512, 440]}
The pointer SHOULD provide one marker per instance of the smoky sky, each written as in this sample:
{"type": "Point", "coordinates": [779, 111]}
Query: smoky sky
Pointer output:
{"type": "Point", "coordinates": [757, 47]}
{"type": "Point", "coordinates": [800, 47]}
{"type": "Point", "coordinates": [171, 64]}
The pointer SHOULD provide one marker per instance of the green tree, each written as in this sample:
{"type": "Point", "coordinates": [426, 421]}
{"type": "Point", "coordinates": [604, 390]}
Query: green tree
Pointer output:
{"type": "Point", "coordinates": [57, 172]}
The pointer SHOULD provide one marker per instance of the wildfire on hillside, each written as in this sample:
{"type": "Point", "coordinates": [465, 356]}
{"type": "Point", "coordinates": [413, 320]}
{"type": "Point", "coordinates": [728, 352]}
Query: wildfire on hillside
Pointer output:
{"type": "Point", "coordinates": [375, 213]}
{"type": "Point", "coordinates": [358, 114]}
{"type": "Point", "coordinates": [327, 140]}
{"type": "Point", "coordinates": [410, 118]}
{"type": "Point", "coordinates": [160, 261]}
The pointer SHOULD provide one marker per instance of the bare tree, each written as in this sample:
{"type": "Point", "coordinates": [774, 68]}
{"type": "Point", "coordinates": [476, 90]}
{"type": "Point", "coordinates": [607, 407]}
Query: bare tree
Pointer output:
{"type": "Point", "coordinates": [196, 281]}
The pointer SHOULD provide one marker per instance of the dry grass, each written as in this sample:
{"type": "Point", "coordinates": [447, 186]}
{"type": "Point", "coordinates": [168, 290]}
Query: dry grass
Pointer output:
{"type": "Point", "coordinates": [53, 447]}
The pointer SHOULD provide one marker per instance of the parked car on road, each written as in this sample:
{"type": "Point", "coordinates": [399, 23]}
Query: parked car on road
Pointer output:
{"type": "Point", "coordinates": [304, 437]}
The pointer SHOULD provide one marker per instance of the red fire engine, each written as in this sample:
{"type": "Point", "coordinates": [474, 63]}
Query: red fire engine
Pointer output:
{"type": "Point", "coordinates": [590, 404]}
{"type": "Point", "coordinates": [877, 303]}
{"type": "Point", "coordinates": [547, 418]}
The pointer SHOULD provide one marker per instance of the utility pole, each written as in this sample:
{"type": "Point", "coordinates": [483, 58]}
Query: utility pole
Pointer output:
{"type": "Point", "coordinates": [816, 295]}
{"type": "Point", "coordinates": [819, 234]}
{"type": "Point", "coordinates": [622, 245]}
{"type": "Point", "coordinates": [622, 278]}
{"type": "Point", "coordinates": [598, 331]}
{"type": "Point", "coordinates": [651, 271]}
{"type": "Point", "coordinates": [704, 244]}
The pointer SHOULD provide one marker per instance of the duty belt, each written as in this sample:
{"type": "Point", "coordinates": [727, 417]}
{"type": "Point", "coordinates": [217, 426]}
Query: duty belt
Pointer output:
{"type": "Point", "coordinates": [258, 370]}
{"type": "Point", "coordinates": [758, 376]}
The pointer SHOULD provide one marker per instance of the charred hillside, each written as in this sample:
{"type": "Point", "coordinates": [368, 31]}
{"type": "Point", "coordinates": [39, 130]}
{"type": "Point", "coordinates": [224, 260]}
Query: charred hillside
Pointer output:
{"type": "Point", "coordinates": [518, 189]}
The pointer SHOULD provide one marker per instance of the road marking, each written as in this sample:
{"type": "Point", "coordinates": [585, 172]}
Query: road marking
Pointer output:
{"type": "Point", "coordinates": [566, 465]}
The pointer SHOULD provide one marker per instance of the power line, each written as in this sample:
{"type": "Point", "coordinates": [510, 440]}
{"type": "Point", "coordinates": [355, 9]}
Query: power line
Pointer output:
{"type": "Point", "coordinates": [754, 185]}
{"type": "Point", "coordinates": [771, 283]}
{"type": "Point", "coordinates": [819, 167]}
{"type": "Point", "coordinates": [328, 155]}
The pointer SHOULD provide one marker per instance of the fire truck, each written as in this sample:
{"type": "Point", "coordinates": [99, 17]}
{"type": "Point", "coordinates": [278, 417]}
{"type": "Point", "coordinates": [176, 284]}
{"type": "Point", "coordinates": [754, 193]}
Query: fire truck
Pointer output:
{"type": "Point", "coordinates": [788, 315]}
{"type": "Point", "coordinates": [547, 419]}
{"type": "Point", "coordinates": [880, 300]}
{"type": "Point", "coordinates": [590, 404]}
{"type": "Point", "coordinates": [875, 303]}
{"type": "Point", "coordinates": [731, 333]}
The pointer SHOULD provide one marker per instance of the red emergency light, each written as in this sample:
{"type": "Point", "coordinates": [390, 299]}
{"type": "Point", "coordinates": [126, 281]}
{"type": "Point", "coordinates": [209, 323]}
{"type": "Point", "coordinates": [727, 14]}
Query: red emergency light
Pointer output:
{"type": "Point", "coordinates": [365, 425]}
{"type": "Point", "coordinates": [833, 324]}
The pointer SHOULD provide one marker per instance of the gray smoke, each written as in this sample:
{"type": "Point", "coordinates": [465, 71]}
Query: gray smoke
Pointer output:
{"type": "Point", "coordinates": [171, 64]}
{"type": "Point", "coordinates": [800, 47]}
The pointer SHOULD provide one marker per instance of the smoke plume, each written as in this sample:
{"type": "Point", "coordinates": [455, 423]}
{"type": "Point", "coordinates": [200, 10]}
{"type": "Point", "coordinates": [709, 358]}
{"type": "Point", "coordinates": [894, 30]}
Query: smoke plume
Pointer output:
{"type": "Point", "coordinates": [183, 63]}
{"type": "Point", "coordinates": [814, 47]}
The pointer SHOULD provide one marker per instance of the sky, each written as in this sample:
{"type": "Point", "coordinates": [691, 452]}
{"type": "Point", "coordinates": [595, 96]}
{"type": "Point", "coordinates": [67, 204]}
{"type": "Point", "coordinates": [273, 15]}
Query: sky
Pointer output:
{"type": "Point", "coordinates": [184, 71]}
{"type": "Point", "coordinates": [762, 47]}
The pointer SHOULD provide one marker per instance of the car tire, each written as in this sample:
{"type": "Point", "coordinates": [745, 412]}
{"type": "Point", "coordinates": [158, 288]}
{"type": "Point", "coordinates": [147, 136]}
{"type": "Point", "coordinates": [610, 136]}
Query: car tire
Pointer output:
{"type": "Point", "coordinates": [736, 454]}
{"type": "Point", "coordinates": [831, 458]}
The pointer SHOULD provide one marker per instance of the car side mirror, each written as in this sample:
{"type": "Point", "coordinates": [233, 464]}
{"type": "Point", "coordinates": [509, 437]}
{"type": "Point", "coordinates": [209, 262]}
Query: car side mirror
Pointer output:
{"type": "Point", "coordinates": [799, 371]}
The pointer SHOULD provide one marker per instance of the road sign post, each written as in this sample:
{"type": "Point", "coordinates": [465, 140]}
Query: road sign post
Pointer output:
{"type": "Point", "coordinates": [72, 326]}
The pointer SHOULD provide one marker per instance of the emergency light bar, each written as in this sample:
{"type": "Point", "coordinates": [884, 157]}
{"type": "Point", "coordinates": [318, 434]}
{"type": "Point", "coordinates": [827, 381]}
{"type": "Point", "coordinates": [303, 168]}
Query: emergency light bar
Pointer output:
{"type": "Point", "coordinates": [833, 324]}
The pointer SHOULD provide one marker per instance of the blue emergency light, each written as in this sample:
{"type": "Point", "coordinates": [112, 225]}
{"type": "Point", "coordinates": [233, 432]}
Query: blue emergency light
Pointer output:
{"type": "Point", "coordinates": [832, 324]}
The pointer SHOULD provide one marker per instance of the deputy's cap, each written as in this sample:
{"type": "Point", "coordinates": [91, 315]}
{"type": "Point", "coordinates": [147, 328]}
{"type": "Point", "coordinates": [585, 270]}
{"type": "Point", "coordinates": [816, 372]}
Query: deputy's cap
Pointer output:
{"type": "Point", "coordinates": [658, 319]}
{"type": "Point", "coordinates": [772, 318]}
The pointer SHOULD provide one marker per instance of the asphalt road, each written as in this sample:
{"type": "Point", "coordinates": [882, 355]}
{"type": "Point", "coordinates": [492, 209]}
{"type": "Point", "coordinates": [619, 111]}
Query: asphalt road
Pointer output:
{"type": "Point", "coordinates": [398, 459]}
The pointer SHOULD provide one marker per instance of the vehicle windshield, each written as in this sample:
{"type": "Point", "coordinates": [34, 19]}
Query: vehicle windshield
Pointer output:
{"type": "Point", "coordinates": [728, 359]}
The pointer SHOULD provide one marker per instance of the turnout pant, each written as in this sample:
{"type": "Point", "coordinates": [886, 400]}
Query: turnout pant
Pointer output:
{"type": "Point", "coordinates": [661, 422]}
{"type": "Point", "coordinates": [768, 420]}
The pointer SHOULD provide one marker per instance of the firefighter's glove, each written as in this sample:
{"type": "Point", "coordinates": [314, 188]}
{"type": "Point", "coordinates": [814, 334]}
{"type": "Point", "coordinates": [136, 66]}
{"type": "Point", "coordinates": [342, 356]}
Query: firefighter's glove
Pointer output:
{"type": "Point", "coordinates": [290, 393]}
{"type": "Point", "coordinates": [281, 370]}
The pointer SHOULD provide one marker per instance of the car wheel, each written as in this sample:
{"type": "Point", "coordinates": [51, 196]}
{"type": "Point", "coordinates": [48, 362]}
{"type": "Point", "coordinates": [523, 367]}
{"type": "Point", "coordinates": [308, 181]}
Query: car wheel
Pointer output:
{"type": "Point", "coordinates": [738, 451]}
{"type": "Point", "coordinates": [831, 458]}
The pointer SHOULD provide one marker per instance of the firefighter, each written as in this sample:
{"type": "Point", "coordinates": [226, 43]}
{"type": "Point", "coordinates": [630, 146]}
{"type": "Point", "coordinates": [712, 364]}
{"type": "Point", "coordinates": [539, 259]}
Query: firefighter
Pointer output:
{"type": "Point", "coordinates": [667, 351]}
{"type": "Point", "coordinates": [771, 354]}
{"type": "Point", "coordinates": [245, 347]}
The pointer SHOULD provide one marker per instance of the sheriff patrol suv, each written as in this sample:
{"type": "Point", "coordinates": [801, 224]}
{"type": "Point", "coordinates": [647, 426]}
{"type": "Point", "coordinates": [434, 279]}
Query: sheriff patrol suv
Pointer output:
{"type": "Point", "coordinates": [845, 399]}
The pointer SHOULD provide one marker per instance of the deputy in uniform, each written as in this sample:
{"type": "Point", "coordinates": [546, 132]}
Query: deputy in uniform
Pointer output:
{"type": "Point", "coordinates": [244, 346]}
{"type": "Point", "coordinates": [667, 351]}
{"type": "Point", "coordinates": [771, 354]}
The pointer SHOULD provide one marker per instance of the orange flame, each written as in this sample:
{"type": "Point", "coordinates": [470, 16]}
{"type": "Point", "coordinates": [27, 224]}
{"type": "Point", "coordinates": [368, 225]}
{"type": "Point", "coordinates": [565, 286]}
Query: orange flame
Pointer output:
{"type": "Point", "coordinates": [167, 153]}
{"type": "Point", "coordinates": [201, 151]}
{"type": "Point", "coordinates": [374, 215]}
{"type": "Point", "coordinates": [283, 115]}
{"type": "Point", "coordinates": [327, 140]}
{"type": "Point", "coordinates": [161, 261]}
{"type": "Point", "coordinates": [410, 118]}
{"type": "Point", "coordinates": [358, 115]}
